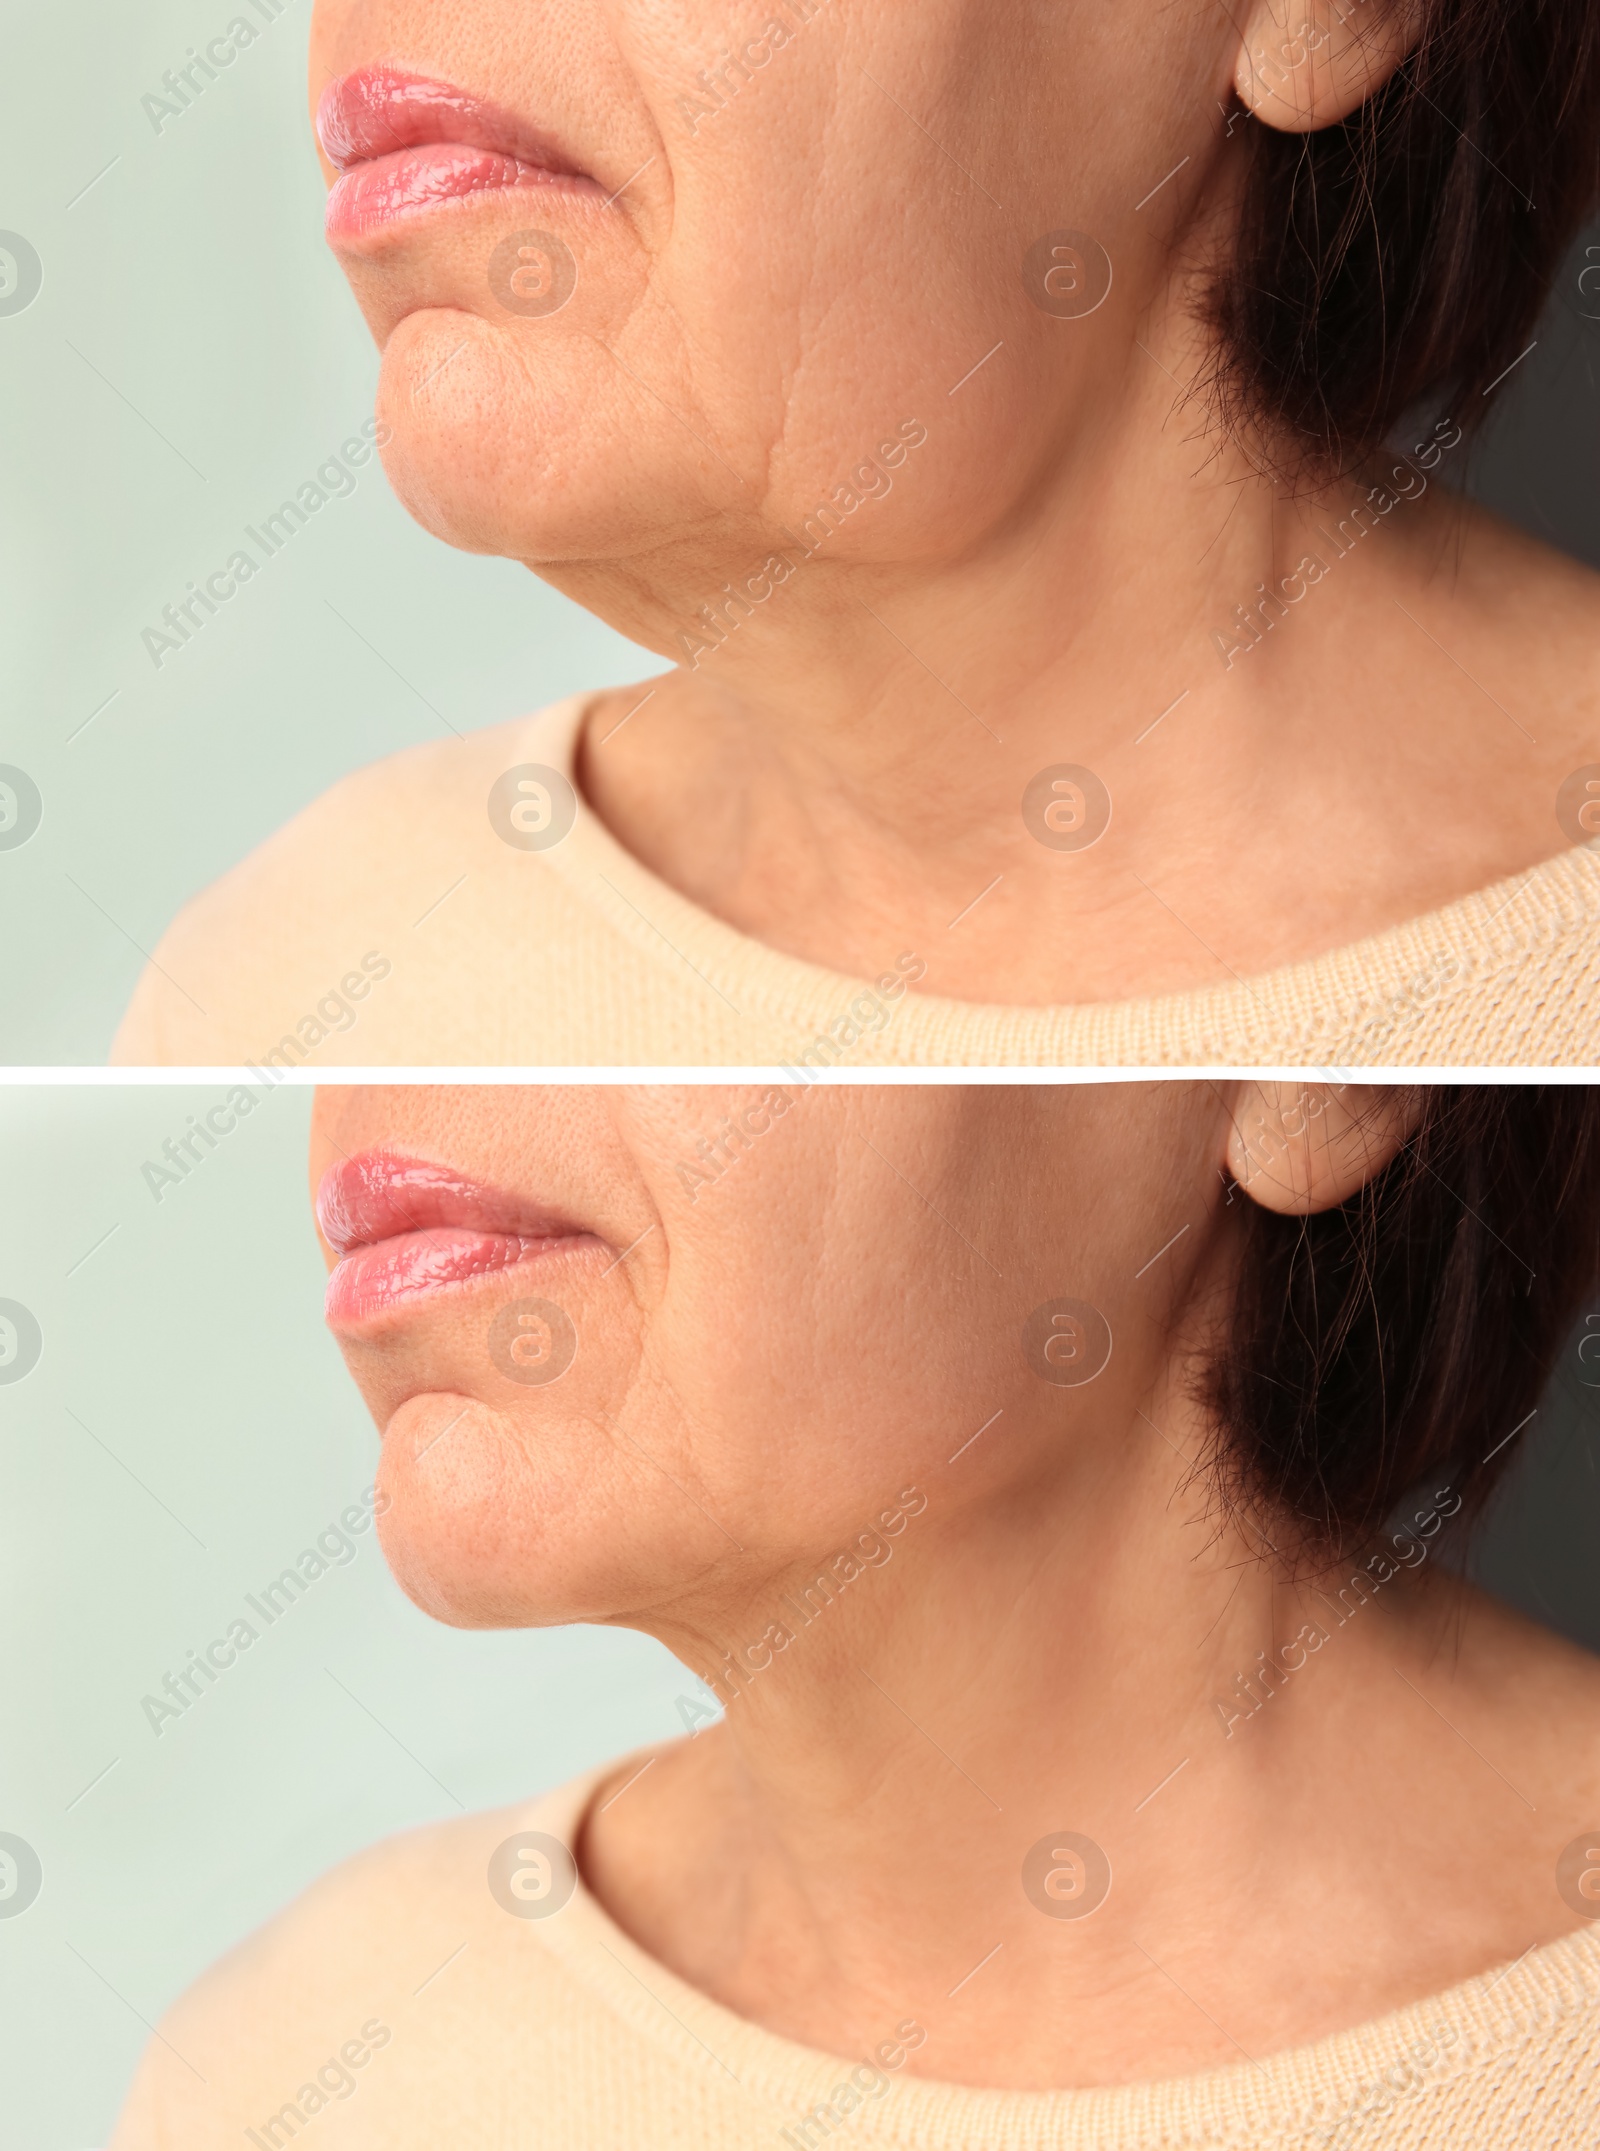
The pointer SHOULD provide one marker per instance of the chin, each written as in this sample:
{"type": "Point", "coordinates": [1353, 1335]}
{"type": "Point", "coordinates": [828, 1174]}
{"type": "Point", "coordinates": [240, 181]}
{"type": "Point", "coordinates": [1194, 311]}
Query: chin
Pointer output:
{"type": "Point", "coordinates": [463, 1516]}
{"type": "Point", "coordinates": [486, 1523]}
{"type": "Point", "coordinates": [506, 444]}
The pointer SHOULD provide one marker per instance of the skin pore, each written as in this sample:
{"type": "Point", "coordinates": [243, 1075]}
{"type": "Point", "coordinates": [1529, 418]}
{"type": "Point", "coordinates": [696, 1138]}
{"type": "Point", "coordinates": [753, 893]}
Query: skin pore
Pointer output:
{"type": "Point", "coordinates": [819, 1344]}
{"type": "Point", "coordinates": [785, 266]}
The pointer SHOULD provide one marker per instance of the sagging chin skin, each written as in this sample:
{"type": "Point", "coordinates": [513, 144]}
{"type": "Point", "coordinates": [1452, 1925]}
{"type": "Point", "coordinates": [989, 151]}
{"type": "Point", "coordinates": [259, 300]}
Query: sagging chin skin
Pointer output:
{"type": "Point", "coordinates": [498, 448]}
{"type": "Point", "coordinates": [462, 1526]}
{"type": "Point", "coordinates": [488, 1523]}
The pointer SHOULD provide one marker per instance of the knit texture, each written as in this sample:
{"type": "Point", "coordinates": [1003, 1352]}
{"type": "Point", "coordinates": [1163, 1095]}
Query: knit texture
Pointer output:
{"type": "Point", "coordinates": [479, 953]}
{"type": "Point", "coordinates": [506, 2033]}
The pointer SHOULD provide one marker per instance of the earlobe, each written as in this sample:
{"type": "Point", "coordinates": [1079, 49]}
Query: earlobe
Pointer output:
{"type": "Point", "coordinates": [1306, 64]}
{"type": "Point", "coordinates": [1297, 1148]}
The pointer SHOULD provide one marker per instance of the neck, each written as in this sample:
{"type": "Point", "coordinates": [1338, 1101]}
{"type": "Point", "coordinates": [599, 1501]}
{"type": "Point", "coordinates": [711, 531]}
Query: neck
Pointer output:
{"type": "Point", "coordinates": [840, 762]}
{"type": "Point", "coordinates": [874, 1831]}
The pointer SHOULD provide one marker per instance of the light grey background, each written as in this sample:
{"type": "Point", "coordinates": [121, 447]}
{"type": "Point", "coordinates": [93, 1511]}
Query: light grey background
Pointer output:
{"type": "Point", "coordinates": [188, 1430]}
{"type": "Point", "coordinates": [192, 357]}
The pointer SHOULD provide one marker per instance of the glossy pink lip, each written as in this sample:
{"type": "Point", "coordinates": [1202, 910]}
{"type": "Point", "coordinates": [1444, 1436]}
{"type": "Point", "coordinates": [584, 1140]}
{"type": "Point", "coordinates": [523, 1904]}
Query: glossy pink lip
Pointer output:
{"type": "Point", "coordinates": [405, 143]}
{"type": "Point", "coordinates": [406, 1227]}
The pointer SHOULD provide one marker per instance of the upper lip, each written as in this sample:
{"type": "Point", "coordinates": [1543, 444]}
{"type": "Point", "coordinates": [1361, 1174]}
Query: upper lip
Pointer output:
{"type": "Point", "coordinates": [375, 111]}
{"type": "Point", "coordinates": [382, 1194]}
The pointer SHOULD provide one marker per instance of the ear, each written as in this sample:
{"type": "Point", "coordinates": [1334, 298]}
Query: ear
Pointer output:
{"type": "Point", "coordinates": [1304, 64]}
{"type": "Point", "coordinates": [1301, 1147]}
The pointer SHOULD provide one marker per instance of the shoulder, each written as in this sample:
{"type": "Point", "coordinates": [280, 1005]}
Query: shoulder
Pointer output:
{"type": "Point", "coordinates": [352, 880]}
{"type": "Point", "coordinates": [1531, 612]}
{"type": "Point", "coordinates": [1545, 1688]}
{"type": "Point", "coordinates": [299, 2014]}
{"type": "Point", "coordinates": [1529, 1701]}
{"type": "Point", "coordinates": [381, 1908]}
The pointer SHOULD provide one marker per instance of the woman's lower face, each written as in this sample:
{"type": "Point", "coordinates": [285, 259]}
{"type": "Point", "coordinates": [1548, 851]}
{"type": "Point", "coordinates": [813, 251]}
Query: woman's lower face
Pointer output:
{"type": "Point", "coordinates": [644, 1348]}
{"type": "Point", "coordinates": [562, 223]}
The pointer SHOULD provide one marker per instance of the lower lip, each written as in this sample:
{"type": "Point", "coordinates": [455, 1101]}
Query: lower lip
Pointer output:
{"type": "Point", "coordinates": [408, 182]}
{"type": "Point", "coordinates": [396, 1274]}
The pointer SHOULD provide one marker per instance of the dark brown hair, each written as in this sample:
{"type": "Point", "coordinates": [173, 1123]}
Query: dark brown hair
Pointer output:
{"type": "Point", "coordinates": [1399, 259]}
{"type": "Point", "coordinates": [1403, 1336]}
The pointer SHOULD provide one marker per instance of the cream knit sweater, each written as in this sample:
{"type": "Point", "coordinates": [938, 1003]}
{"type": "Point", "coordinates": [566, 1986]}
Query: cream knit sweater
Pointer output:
{"type": "Point", "coordinates": [389, 924]}
{"type": "Point", "coordinates": [400, 2006]}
